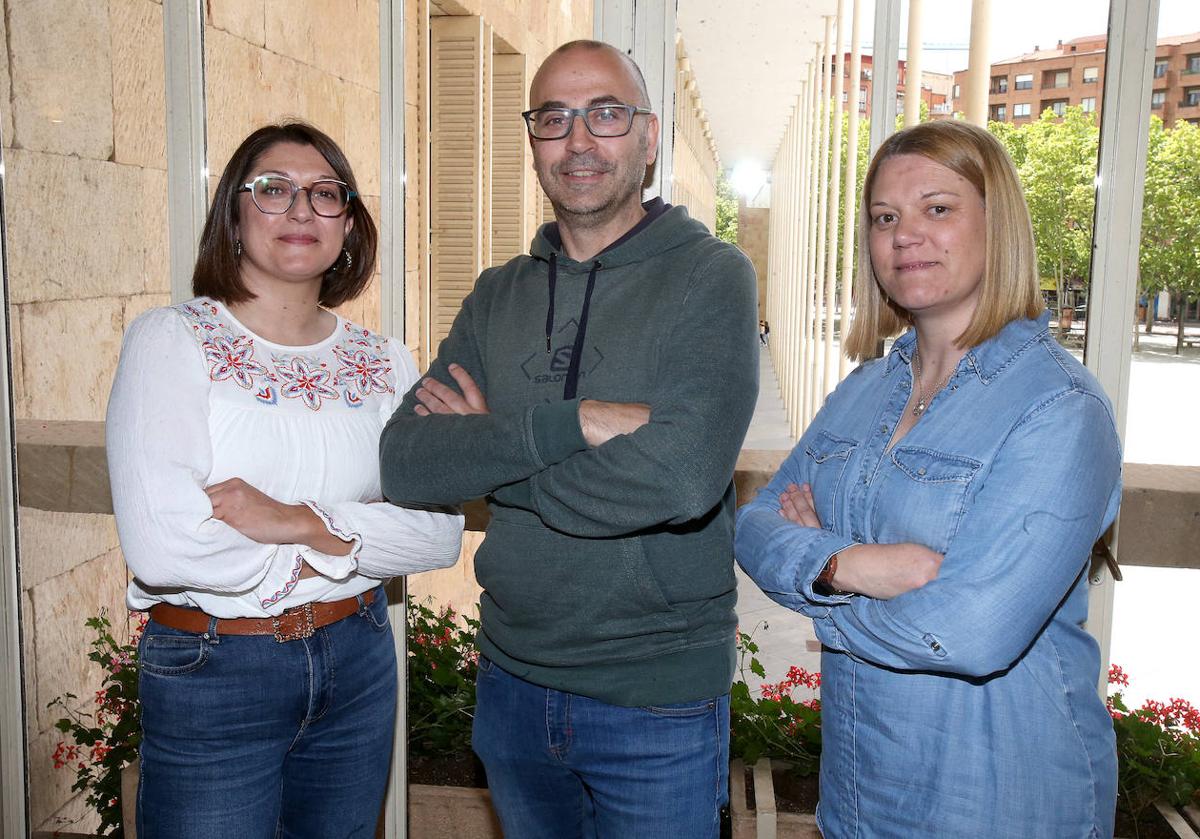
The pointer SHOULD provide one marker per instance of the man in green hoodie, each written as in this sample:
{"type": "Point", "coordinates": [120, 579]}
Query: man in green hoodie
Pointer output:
{"type": "Point", "coordinates": [596, 392]}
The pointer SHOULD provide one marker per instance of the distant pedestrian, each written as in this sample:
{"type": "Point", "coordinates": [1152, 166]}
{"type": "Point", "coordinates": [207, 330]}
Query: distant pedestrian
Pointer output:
{"type": "Point", "coordinates": [764, 329]}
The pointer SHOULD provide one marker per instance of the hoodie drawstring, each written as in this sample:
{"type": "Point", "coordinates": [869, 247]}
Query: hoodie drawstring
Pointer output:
{"type": "Point", "coordinates": [572, 383]}
{"type": "Point", "coordinates": [550, 308]}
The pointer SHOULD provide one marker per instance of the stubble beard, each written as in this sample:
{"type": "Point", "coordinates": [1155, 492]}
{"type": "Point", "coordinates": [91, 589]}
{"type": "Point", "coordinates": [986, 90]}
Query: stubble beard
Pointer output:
{"type": "Point", "coordinates": [576, 210]}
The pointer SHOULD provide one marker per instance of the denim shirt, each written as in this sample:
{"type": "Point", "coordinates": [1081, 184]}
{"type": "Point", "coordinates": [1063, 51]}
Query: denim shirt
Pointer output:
{"type": "Point", "coordinates": [968, 707]}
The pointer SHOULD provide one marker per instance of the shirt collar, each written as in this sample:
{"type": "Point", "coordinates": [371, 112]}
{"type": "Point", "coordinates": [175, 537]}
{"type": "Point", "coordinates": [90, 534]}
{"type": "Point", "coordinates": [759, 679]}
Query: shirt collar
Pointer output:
{"type": "Point", "coordinates": [988, 359]}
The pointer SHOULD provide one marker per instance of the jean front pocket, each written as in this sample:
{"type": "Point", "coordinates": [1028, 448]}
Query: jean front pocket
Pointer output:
{"type": "Point", "coordinates": [682, 709]}
{"type": "Point", "coordinates": [172, 655]}
{"type": "Point", "coordinates": [377, 613]}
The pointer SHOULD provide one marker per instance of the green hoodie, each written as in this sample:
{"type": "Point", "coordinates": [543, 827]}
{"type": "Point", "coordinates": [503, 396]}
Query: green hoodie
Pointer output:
{"type": "Point", "coordinates": [606, 571]}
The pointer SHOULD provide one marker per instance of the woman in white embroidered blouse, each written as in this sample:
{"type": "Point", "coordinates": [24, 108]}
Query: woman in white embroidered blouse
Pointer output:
{"type": "Point", "coordinates": [243, 435]}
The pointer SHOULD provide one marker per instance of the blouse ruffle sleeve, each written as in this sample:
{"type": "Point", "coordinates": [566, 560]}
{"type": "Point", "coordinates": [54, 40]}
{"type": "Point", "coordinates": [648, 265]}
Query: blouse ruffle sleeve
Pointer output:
{"type": "Point", "coordinates": [160, 459]}
{"type": "Point", "coordinates": [388, 540]}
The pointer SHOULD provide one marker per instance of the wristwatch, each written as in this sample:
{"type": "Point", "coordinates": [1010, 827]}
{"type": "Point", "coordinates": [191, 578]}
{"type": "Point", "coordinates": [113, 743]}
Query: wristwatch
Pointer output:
{"type": "Point", "coordinates": [823, 584]}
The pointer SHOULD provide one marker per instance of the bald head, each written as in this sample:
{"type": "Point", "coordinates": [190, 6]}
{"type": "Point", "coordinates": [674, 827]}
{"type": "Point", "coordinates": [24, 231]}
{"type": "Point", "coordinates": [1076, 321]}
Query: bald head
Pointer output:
{"type": "Point", "coordinates": [562, 57]}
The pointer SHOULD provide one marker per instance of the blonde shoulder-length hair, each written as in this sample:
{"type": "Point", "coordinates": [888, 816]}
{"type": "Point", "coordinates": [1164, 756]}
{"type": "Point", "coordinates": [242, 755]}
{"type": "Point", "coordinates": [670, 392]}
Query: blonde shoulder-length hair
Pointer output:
{"type": "Point", "coordinates": [1010, 287]}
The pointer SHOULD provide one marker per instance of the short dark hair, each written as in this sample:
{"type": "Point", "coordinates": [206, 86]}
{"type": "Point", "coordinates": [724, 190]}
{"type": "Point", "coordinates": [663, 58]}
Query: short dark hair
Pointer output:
{"type": "Point", "coordinates": [587, 43]}
{"type": "Point", "coordinates": [216, 274]}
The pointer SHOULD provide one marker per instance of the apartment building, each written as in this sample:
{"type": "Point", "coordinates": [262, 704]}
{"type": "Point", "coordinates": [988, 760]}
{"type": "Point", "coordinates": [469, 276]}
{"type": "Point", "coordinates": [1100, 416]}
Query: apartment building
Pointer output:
{"type": "Point", "coordinates": [1072, 73]}
{"type": "Point", "coordinates": [935, 88]}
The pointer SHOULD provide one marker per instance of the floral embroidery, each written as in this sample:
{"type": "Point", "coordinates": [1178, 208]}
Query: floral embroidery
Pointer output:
{"type": "Point", "coordinates": [367, 372]}
{"type": "Point", "coordinates": [302, 381]}
{"type": "Point", "coordinates": [232, 358]}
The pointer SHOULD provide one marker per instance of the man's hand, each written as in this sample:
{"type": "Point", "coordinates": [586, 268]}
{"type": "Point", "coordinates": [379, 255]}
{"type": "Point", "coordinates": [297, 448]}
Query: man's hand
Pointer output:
{"type": "Point", "coordinates": [601, 421]}
{"type": "Point", "coordinates": [436, 398]}
{"type": "Point", "coordinates": [796, 505]}
{"type": "Point", "coordinates": [886, 571]}
{"type": "Point", "coordinates": [260, 517]}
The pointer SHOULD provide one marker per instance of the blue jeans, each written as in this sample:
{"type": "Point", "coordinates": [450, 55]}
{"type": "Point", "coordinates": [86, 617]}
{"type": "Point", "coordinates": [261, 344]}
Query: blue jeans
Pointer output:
{"type": "Point", "coordinates": [248, 737]}
{"type": "Point", "coordinates": [560, 765]}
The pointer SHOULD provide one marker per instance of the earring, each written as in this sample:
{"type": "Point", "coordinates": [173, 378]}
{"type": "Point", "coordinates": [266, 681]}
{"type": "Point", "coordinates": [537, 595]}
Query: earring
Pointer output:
{"type": "Point", "coordinates": [237, 249]}
{"type": "Point", "coordinates": [349, 258]}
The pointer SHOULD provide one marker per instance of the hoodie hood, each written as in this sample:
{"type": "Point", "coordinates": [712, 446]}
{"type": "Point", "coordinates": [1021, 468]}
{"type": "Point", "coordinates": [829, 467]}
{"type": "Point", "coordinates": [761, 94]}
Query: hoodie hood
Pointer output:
{"type": "Point", "coordinates": [665, 227]}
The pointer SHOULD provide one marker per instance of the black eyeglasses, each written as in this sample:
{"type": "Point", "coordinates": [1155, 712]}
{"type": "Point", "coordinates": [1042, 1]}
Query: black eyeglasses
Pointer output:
{"type": "Point", "coordinates": [601, 120]}
{"type": "Point", "coordinates": [275, 195]}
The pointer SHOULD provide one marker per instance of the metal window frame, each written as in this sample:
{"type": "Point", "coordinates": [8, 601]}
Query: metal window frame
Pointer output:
{"type": "Point", "coordinates": [14, 781]}
{"type": "Point", "coordinates": [1116, 240]}
{"type": "Point", "coordinates": [187, 139]}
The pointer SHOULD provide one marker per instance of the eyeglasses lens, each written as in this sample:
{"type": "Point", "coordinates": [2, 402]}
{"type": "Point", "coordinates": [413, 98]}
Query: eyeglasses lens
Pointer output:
{"type": "Point", "coordinates": [604, 121]}
{"type": "Point", "coordinates": [274, 196]}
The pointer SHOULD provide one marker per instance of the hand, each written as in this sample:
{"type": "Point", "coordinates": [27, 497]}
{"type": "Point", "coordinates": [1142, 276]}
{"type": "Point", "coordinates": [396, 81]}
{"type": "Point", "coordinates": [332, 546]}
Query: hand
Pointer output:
{"type": "Point", "coordinates": [886, 571]}
{"type": "Point", "coordinates": [437, 398]}
{"type": "Point", "coordinates": [601, 421]}
{"type": "Point", "coordinates": [797, 506]}
{"type": "Point", "coordinates": [260, 517]}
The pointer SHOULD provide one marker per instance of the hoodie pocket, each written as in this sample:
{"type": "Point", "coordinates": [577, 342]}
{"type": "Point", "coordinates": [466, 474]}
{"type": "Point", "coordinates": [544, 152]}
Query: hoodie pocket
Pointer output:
{"type": "Point", "coordinates": [557, 600]}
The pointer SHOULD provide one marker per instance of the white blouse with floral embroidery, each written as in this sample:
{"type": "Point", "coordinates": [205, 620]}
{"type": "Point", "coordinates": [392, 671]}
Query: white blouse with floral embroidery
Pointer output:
{"type": "Point", "coordinates": [199, 399]}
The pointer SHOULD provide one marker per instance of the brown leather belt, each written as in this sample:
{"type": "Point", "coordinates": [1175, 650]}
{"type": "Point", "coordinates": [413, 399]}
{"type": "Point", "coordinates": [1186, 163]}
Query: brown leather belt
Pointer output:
{"type": "Point", "coordinates": [292, 624]}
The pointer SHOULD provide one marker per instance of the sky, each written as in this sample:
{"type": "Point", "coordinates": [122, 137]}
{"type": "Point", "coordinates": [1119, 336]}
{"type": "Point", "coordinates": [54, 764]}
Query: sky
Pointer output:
{"type": "Point", "coordinates": [1020, 25]}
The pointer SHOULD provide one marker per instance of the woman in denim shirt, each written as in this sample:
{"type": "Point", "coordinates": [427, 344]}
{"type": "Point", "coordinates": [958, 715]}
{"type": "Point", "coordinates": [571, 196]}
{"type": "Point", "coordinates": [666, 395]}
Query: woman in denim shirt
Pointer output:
{"type": "Point", "coordinates": [935, 521]}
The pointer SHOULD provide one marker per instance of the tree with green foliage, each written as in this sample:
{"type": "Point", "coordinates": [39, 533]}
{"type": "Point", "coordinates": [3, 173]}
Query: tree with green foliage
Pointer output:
{"type": "Point", "coordinates": [1170, 249]}
{"type": "Point", "coordinates": [727, 210]}
{"type": "Point", "coordinates": [1057, 167]}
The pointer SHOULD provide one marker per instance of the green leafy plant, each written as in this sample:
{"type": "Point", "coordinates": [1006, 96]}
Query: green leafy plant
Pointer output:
{"type": "Point", "coordinates": [442, 663]}
{"type": "Point", "coordinates": [100, 743]}
{"type": "Point", "coordinates": [1158, 751]}
{"type": "Point", "coordinates": [774, 723]}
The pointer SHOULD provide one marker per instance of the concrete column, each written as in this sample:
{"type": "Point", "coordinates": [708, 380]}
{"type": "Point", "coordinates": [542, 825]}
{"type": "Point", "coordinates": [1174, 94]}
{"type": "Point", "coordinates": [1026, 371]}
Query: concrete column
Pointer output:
{"type": "Point", "coordinates": [912, 76]}
{"type": "Point", "coordinates": [806, 222]}
{"type": "Point", "coordinates": [824, 113]}
{"type": "Point", "coordinates": [830, 377]}
{"type": "Point", "coordinates": [850, 194]}
{"type": "Point", "coordinates": [975, 97]}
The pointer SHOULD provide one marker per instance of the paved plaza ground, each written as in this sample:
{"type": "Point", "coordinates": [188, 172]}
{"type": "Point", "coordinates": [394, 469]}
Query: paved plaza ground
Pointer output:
{"type": "Point", "coordinates": [1155, 624]}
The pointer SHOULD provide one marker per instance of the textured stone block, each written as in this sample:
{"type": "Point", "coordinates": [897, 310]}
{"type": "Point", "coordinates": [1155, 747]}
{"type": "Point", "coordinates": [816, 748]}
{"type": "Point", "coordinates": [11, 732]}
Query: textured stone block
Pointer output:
{"type": "Point", "coordinates": [139, 84]}
{"type": "Point", "coordinates": [53, 543]}
{"type": "Point", "coordinates": [361, 132]}
{"type": "Point", "coordinates": [232, 80]}
{"type": "Point", "coordinates": [6, 125]}
{"type": "Point", "coordinates": [52, 805]}
{"type": "Point", "coordinates": [94, 229]}
{"type": "Point", "coordinates": [244, 18]}
{"type": "Point", "coordinates": [294, 89]}
{"type": "Point", "coordinates": [62, 384]}
{"type": "Point", "coordinates": [61, 76]}
{"type": "Point", "coordinates": [61, 641]}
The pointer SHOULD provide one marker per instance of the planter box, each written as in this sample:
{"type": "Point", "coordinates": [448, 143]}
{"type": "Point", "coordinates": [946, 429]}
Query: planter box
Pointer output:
{"type": "Point", "coordinates": [451, 813]}
{"type": "Point", "coordinates": [764, 822]}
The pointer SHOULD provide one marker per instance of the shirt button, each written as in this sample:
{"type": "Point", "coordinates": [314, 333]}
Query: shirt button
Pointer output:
{"type": "Point", "coordinates": [921, 471]}
{"type": "Point", "coordinates": [883, 429]}
{"type": "Point", "coordinates": [935, 646]}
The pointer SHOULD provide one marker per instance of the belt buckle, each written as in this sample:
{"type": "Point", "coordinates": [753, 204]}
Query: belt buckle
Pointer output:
{"type": "Point", "coordinates": [305, 630]}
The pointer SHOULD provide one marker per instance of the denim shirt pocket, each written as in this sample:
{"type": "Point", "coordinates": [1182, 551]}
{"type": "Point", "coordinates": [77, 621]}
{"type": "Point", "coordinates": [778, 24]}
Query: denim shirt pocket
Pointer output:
{"type": "Point", "coordinates": [828, 456]}
{"type": "Point", "coordinates": [924, 496]}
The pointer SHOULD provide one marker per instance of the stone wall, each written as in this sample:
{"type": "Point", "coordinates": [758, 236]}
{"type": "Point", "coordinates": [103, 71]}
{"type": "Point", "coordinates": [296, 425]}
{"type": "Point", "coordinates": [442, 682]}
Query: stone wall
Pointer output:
{"type": "Point", "coordinates": [82, 115]}
{"type": "Point", "coordinates": [753, 230]}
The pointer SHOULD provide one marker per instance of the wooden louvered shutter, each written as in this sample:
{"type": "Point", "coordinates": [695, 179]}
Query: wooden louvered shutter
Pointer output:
{"type": "Point", "coordinates": [510, 161]}
{"type": "Point", "coordinates": [456, 174]}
